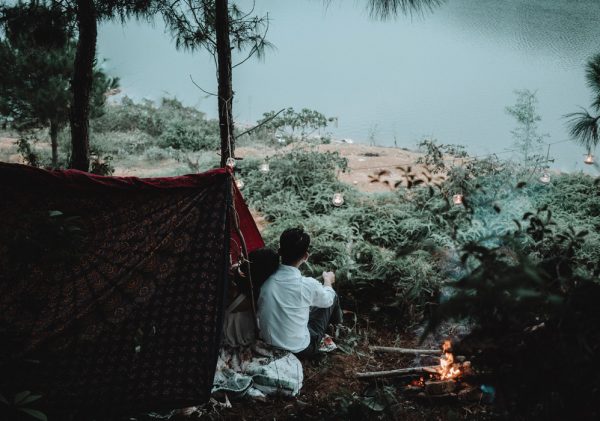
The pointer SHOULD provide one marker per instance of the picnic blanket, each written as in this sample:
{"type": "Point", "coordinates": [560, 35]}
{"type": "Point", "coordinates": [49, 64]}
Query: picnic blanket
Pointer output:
{"type": "Point", "coordinates": [257, 371]}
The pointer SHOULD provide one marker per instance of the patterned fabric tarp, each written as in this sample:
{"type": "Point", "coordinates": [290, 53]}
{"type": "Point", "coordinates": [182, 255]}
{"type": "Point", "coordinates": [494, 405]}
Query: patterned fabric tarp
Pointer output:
{"type": "Point", "coordinates": [112, 289]}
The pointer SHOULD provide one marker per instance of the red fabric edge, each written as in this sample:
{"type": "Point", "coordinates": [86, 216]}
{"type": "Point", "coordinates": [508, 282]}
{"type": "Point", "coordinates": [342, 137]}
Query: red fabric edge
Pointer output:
{"type": "Point", "coordinates": [248, 227]}
{"type": "Point", "coordinates": [27, 176]}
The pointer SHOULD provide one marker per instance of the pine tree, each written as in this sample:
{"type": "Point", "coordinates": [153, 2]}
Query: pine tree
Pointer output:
{"type": "Point", "coordinates": [37, 52]}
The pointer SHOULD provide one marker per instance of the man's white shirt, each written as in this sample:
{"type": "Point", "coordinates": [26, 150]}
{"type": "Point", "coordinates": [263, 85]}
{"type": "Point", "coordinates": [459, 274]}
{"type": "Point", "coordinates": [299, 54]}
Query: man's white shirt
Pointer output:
{"type": "Point", "coordinates": [284, 307]}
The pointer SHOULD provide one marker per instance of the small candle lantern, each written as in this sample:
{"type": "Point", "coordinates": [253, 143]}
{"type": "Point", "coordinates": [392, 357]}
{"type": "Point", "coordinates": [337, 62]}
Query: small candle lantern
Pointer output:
{"type": "Point", "coordinates": [338, 199]}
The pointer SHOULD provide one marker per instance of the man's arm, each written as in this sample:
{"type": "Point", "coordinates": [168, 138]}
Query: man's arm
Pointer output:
{"type": "Point", "coordinates": [324, 295]}
{"type": "Point", "coordinates": [328, 279]}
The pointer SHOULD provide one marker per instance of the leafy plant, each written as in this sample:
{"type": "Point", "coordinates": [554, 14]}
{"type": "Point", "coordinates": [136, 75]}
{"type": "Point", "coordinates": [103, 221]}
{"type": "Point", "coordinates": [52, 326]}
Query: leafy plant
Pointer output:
{"type": "Point", "coordinates": [527, 138]}
{"type": "Point", "coordinates": [536, 324]}
{"type": "Point", "coordinates": [101, 165]}
{"type": "Point", "coordinates": [21, 403]}
{"type": "Point", "coordinates": [583, 126]}
{"type": "Point", "coordinates": [37, 51]}
{"type": "Point", "coordinates": [142, 125]}
{"type": "Point", "coordinates": [290, 125]}
{"type": "Point", "coordinates": [368, 240]}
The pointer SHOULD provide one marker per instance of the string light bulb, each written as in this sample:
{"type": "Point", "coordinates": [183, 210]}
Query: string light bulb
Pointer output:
{"type": "Point", "coordinates": [338, 199]}
{"type": "Point", "coordinates": [457, 199]}
{"type": "Point", "coordinates": [230, 162]}
{"type": "Point", "coordinates": [264, 167]}
{"type": "Point", "coordinates": [545, 178]}
{"type": "Point", "coordinates": [589, 159]}
{"type": "Point", "coordinates": [239, 183]}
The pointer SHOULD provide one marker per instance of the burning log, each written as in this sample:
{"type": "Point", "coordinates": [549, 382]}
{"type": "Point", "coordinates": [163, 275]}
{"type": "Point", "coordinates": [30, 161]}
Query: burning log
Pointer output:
{"type": "Point", "coordinates": [397, 372]}
{"type": "Point", "coordinates": [405, 350]}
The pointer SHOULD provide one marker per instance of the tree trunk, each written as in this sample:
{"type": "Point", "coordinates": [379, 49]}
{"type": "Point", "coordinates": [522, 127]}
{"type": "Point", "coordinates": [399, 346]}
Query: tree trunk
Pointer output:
{"type": "Point", "coordinates": [224, 80]}
{"type": "Point", "coordinates": [82, 84]}
{"type": "Point", "coordinates": [54, 143]}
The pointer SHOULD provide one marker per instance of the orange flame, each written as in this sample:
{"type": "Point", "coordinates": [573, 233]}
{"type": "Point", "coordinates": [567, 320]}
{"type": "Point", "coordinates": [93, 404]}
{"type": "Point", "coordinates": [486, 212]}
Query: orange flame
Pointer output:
{"type": "Point", "coordinates": [448, 369]}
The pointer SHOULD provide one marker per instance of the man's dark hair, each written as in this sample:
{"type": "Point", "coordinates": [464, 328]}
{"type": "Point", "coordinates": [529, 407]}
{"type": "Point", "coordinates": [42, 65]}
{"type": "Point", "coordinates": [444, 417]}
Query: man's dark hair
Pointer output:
{"type": "Point", "coordinates": [293, 244]}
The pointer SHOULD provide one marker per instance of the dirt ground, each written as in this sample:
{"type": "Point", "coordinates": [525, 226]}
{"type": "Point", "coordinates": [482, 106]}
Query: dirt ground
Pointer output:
{"type": "Point", "coordinates": [330, 384]}
{"type": "Point", "coordinates": [363, 162]}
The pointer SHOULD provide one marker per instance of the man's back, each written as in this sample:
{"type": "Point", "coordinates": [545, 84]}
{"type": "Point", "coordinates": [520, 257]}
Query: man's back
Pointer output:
{"type": "Point", "coordinates": [284, 307]}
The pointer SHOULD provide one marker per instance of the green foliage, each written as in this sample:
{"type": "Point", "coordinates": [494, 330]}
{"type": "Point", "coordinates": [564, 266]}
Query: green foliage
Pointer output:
{"type": "Point", "coordinates": [583, 126]}
{"type": "Point", "coordinates": [27, 152]}
{"type": "Point", "coordinates": [193, 26]}
{"type": "Point", "coordinates": [303, 176]}
{"type": "Point", "coordinates": [101, 165]}
{"type": "Point", "coordinates": [21, 403]}
{"type": "Point", "coordinates": [182, 136]}
{"type": "Point", "coordinates": [435, 155]}
{"type": "Point", "coordinates": [527, 280]}
{"type": "Point", "coordinates": [527, 138]}
{"type": "Point", "coordinates": [592, 76]}
{"type": "Point", "coordinates": [375, 402]}
{"type": "Point", "coordinates": [38, 43]}
{"type": "Point", "coordinates": [170, 125]}
{"type": "Point", "coordinates": [289, 125]}
{"type": "Point", "coordinates": [532, 298]}
{"type": "Point", "coordinates": [369, 241]}
{"type": "Point", "coordinates": [384, 9]}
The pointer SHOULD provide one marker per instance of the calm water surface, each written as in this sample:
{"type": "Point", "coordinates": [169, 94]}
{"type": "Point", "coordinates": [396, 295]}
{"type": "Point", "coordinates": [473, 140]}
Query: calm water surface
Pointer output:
{"type": "Point", "coordinates": [447, 75]}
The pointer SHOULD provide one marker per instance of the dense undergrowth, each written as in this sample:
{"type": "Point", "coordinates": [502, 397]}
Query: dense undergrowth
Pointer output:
{"type": "Point", "coordinates": [520, 260]}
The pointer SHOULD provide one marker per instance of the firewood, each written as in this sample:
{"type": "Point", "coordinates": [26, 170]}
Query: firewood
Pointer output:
{"type": "Point", "coordinates": [439, 387]}
{"type": "Point", "coordinates": [410, 389]}
{"type": "Point", "coordinates": [445, 398]}
{"type": "Point", "coordinates": [405, 350]}
{"type": "Point", "coordinates": [393, 373]}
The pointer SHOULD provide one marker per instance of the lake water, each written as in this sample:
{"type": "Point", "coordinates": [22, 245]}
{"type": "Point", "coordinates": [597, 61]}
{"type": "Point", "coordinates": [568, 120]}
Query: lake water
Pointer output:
{"type": "Point", "coordinates": [448, 75]}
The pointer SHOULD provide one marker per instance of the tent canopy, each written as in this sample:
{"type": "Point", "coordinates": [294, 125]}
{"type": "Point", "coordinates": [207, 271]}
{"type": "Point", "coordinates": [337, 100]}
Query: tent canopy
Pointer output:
{"type": "Point", "coordinates": [112, 289]}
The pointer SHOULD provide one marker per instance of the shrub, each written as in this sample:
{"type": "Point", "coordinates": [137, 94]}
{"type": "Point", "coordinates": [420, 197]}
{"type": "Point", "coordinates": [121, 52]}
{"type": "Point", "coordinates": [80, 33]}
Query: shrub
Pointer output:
{"type": "Point", "coordinates": [536, 321]}
{"type": "Point", "coordinates": [289, 125]}
{"type": "Point", "coordinates": [180, 134]}
{"type": "Point", "coordinates": [156, 154]}
{"type": "Point", "coordinates": [367, 240]}
{"type": "Point", "coordinates": [171, 124]}
{"type": "Point", "coordinates": [121, 143]}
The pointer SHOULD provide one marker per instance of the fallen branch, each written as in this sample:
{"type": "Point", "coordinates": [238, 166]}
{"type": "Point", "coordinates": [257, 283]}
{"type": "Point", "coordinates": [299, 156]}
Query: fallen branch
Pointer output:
{"type": "Point", "coordinates": [397, 372]}
{"type": "Point", "coordinates": [405, 350]}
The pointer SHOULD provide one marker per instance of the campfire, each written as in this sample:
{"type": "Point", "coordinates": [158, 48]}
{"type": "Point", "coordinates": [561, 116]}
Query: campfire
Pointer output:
{"type": "Point", "coordinates": [450, 379]}
{"type": "Point", "coordinates": [445, 380]}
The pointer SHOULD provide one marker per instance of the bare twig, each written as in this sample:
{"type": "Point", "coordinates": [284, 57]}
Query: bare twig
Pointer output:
{"type": "Point", "coordinates": [198, 86]}
{"type": "Point", "coordinates": [397, 372]}
{"type": "Point", "coordinates": [405, 350]}
{"type": "Point", "coordinates": [262, 123]}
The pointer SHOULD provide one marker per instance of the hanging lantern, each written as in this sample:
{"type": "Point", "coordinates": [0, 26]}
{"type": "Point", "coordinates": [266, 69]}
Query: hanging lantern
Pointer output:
{"type": "Point", "coordinates": [264, 167]}
{"type": "Point", "coordinates": [230, 162]}
{"type": "Point", "coordinates": [338, 199]}
{"type": "Point", "coordinates": [239, 183]}
{"type": "Point", "coordinates": [589, 159]}
{"type": "Point", "coordinates": [457, 199]}
{"type": "Point", "coordinates": [545, 178]}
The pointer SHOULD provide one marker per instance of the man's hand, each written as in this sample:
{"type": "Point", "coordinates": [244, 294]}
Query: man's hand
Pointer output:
{"type": "Point", "coordinates": [328, 279]}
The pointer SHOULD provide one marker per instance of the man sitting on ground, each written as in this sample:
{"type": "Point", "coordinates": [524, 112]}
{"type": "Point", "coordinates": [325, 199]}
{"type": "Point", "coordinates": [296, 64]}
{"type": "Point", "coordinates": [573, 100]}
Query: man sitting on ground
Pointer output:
{"type": "Point", "coordinates": [293, 310]}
